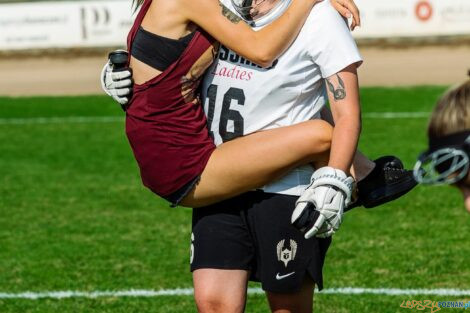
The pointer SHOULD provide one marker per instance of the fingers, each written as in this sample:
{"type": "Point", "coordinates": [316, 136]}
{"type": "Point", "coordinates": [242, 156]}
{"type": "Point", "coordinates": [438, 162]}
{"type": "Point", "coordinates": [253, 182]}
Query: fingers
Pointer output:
{"type": "Point", "coordinates": [353, 24]}
{"type": "Point", "coordinates": [121, 84]}
{"type": "Point", "coordinates": [312, 232]}
{"type": "Point", "coordinates": [121, 95]}
{"type": "Point", "coordinates": [121, 100]}
{"type": "Point", "coordinates": [326, 234]}
{"type": "Point", "coordinates": [123, 92]}
{"type": "Point", "coordinates": [354, 11]}
{"type": "Point", "coordinates": [121, 75]}
{"type": "Point", "coordinates": [348, 8]}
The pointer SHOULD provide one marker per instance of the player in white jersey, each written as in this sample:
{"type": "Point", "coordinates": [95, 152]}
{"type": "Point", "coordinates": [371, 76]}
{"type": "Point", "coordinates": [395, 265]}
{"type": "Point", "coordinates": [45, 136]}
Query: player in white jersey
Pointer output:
{"type": "Point", "coordinates": [250, 235]}
{"type": "Point", "coordinates": [241, 98]}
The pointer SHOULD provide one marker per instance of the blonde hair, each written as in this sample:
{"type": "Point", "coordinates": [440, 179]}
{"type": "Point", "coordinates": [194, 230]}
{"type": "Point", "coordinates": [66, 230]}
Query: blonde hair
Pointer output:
{"type": "Point", "coordinates": [452, 112]}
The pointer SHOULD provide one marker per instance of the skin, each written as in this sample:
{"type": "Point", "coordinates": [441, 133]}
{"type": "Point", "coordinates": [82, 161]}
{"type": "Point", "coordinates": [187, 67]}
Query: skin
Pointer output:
{"type": "Point", "coordinates": [268, 155]}
{"type": "Point", "coordinates": [210, 298]}
{"type": "Point", "coordinates": [344, 102]}
{"type": "Point", "coordinates": [261, 158]}
{"type": "Point", "coordinates": [176, 19]}
{"type": "Point", "coordinates": [464, 188]}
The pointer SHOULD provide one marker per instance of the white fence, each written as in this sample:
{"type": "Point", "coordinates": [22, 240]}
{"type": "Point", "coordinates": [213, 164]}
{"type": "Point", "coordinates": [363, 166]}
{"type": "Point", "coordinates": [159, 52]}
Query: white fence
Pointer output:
{"type": "Point", "coordinates": [105, 23]}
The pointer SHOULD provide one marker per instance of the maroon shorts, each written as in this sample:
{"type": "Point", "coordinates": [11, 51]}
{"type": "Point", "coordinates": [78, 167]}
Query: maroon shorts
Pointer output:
{"type": "Point", "coordinates": [170, 161]}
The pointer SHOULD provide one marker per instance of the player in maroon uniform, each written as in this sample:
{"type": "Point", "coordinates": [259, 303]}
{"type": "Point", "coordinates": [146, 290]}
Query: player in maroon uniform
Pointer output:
{"type": "Point", "coordinates": [166, 125]}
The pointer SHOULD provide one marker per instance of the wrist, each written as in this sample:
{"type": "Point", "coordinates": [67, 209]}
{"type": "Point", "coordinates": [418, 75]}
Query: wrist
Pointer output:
{"type": "Point", "coordinates": [340, 166]}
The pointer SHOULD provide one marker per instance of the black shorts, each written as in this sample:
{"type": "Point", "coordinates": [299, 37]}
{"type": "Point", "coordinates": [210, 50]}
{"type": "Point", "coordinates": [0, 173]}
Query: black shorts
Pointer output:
{"type": "Point", "coordinates": [253, 232]}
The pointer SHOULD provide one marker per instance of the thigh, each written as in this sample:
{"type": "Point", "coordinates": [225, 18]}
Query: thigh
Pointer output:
{"type": "Point", "coordinates": [300, 301]}
{"type": "Point", "coordinates": [221, 256]}
{"type": "Point", "coordinates": [254, 160]}
{"type": "Point", "coordinates": [284, 258]}
{"type": "Point", "coordinates": [220, 238]}
{"type": "Point", "coordinates": [217, 290]}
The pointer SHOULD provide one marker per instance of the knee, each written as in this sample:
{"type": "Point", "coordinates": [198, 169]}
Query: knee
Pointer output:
{"type": "Point", "coordinates": [320, 133]}
{"type": "Point", "coordinates": [207, 302]}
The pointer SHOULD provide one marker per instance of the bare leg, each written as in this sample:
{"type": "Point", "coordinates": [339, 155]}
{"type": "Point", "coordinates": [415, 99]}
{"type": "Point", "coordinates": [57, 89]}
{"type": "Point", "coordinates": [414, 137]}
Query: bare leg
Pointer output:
{"type": "Point", "coordinates": [220, 291]}
{"type": "Point", "coordinates": [252, 161]}
{"type": "Point", "coordinates": [299, 302]}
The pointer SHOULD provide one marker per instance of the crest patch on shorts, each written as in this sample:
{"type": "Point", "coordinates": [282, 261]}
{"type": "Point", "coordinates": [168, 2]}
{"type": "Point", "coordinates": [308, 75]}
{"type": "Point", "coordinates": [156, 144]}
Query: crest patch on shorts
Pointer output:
{"type": "Point", "coordinates": [285, 254]}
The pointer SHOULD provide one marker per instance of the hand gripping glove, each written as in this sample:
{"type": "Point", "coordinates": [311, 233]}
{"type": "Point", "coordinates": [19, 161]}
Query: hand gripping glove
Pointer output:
{"type": "Point", "coordinates": [115, 82]}
{"type": "Point", "coordinates": [319, 210]}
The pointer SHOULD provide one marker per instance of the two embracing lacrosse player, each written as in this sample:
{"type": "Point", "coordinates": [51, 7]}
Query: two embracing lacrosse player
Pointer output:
{"type": "Point", "coordinates": [226, 113]}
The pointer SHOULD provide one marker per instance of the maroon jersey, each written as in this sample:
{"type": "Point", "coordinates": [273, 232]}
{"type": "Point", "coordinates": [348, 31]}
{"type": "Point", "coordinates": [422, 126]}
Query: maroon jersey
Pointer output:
{"type": "Point", "coordinates": [165, 122]}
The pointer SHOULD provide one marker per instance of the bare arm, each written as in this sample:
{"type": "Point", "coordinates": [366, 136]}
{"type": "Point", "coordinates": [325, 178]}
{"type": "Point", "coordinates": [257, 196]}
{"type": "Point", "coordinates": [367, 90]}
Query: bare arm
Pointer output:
{"type": "Point", "coordinates": [261, 47]}
{"type": "Point", "coordinates": [343, 94]}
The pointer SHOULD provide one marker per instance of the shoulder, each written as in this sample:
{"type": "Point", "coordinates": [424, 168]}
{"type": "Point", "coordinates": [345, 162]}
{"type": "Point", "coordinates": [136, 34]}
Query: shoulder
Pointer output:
{"type": "Point", "coordinates": [323, 14]}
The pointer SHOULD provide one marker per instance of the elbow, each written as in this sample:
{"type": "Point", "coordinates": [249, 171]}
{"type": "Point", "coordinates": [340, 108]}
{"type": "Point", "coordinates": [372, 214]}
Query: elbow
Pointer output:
{"type": "Point", "coordinates": [264, 57]}
{"type": "Point", "coordinates": [264, 60]}
{"type": "Point", "coordinates": [259, 51]}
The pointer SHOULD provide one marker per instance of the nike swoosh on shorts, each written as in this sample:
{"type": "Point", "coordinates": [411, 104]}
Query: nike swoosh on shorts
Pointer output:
{"type": "Point", "coordinates": [279, 277]}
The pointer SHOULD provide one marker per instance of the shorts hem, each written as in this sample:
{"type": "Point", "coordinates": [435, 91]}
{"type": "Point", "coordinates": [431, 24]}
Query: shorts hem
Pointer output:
{"type": "Point", "coordinates": [177, 196]}
{"type": "Point", "coordinates": [220, 267]}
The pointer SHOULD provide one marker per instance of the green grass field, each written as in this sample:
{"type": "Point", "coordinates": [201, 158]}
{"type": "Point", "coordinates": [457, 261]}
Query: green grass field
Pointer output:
{"type": "Point", "coordinates": [74, 216]}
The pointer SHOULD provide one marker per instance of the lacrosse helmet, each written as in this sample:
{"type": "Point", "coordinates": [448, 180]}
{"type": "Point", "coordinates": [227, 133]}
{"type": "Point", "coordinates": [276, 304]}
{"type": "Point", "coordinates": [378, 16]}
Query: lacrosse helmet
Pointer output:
{"type": "Point", "coordinates": [447, 161]}
{"type": "Point", "coordinates": [248, 10]}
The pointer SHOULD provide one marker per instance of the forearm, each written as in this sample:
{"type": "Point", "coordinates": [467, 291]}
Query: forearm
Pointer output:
{"type": "Point", "coordinates": [344, 144]}
{"type": "Point", "coordinates": [343, 94]}
{"type": "Point", "coordinates": [274, 39]}
{"type": "Point", "coordinates": [261, 47]}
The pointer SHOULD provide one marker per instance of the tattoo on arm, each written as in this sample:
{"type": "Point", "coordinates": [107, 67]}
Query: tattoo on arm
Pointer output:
{"type": "Point", "coordinates": [339, 93]}
{"type": "Point", "coordinates": [232, 17]}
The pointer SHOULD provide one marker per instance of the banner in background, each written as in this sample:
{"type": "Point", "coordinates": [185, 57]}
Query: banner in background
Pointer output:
{"type": "Point", "coordinates": [64, 24]}
{"type": "Point", "coordinates": [413, 18]}
{"type": "Point", "coordinates": [105, 23]}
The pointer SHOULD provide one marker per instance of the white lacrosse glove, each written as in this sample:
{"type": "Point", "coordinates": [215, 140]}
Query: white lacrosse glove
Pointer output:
{"type": "Point", "coordinates": [319, 210]}
{"type": "Point", "coordinates": [118, 85]}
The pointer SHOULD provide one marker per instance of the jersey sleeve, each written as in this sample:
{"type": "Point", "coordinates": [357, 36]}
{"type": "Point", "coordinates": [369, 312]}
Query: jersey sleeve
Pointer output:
{"type": "Point", "coordinates": [330, 44]}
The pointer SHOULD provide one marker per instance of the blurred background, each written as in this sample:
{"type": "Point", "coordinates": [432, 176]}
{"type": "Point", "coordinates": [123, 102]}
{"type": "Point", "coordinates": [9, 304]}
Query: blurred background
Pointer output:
{"type": "Point", "coordinates": [404, 42]}
{"type": "Point", "coordinates": [76, 221]}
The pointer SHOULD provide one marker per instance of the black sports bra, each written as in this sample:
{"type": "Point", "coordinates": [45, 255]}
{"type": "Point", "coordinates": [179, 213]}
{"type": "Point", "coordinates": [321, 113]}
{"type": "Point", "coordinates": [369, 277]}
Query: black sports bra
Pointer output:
{"type": "Point", "coordinates": [157, 51]}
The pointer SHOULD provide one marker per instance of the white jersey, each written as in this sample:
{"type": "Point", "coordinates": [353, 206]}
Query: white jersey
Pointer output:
{"type": "Point", "coordinates": [241, 98]}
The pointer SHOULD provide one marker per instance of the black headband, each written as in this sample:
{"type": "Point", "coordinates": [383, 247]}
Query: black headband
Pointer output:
{"type": "Point", "coordinates": [457, 140]}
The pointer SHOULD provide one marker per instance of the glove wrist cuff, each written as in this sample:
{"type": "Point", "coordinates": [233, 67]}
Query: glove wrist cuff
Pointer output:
{"type": "Point", "coordinates": [334, 177]}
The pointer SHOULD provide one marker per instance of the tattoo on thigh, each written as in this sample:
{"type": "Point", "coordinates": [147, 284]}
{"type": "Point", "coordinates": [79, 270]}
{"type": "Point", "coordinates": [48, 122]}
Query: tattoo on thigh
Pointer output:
{"type": "Point", "coordinates": [232, 17]}
{"type": "Point", "coordinates": [339, 93]}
